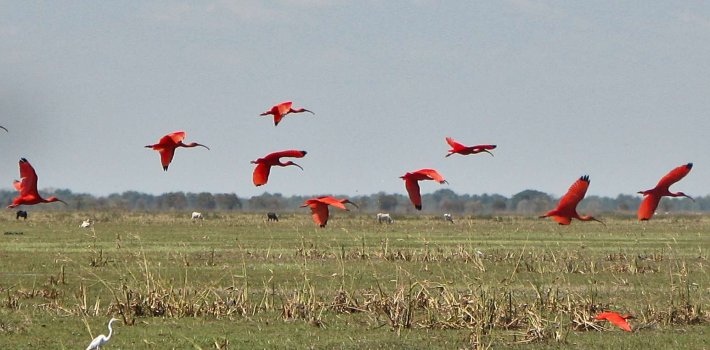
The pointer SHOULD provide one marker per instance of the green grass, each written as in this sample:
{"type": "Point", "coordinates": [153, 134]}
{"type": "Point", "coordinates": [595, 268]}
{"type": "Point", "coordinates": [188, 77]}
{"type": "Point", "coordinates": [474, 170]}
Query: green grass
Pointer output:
{"type": "Point", "coordinates": [234, 281]}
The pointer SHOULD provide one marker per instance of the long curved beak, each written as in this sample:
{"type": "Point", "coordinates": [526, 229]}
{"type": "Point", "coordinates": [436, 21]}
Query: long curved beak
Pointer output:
{"type": "Point", "coordinates": [485, 150]}
{"type": "Point", "coordinates": [599, 221]}
{"type": "Point", "coordinates": [4, 128]}
{"type": "Point", "coordinates": [305, 110]}
{"type": "Point", "coordinates": [59, 200]}
{"type": "Point", "coordinates": [204, 146]}
{"type": "Point", "coordinates": [297, 165]}
{"type": "Point", "coordinates": [444, 182]}
{"type": "Point", "coordinates": [691, 198]}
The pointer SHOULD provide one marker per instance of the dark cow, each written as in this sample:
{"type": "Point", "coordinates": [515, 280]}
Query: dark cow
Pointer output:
{"type": "Point", "coordinates": [21, 214]}
{"type": "Point", "coordinates": [272, 217]}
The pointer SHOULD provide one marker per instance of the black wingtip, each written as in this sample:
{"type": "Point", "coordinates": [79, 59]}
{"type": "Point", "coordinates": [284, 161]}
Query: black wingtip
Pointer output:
{"type": "Point", "coordinates": [304, 152]}
{"type": "Point", "coordinates": [585, 178]}
{"type": "Point", "coordinates": [165, 168]}
{"type": "Point", "coordinates": [689, 166]}
{"type": "Point", "coordinates": [418, 207]}
{"type": "Point", "coordinates": [23, 160]}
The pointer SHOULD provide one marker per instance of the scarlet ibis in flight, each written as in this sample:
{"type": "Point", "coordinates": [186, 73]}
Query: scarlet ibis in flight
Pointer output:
{"type": "Point", "coordinates": [281, 110]}
{"type": "Point", "coordinates": [411, 182]}
{"type": "Point", "coordinates": [167, 145]}
{"type": "Point", "coordinates": [263, 165]}
{"type": "Point", "coordinates": [28, 187]}
{"type": "Point", "coordinates": [466, 150]}
{"type": "Point", "coordinates": [616, 318]}
{"type": "Point", "coordinates": [653, 196]}
{"type": "Point", "coordinates": [319, 207]}
{"type": "Point", "coordinates": [567, 208]}
{"type": "Point", "coordinates": [4, 128]}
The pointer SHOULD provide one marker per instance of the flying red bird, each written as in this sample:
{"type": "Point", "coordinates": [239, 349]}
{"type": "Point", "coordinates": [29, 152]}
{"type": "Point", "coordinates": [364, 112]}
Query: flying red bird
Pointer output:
{"type": "Point", "coordinates": [616, 318]}
{"type": "Point", "coordinates": [466, 150]}
{"type": "Point", "coordinates": [281, 110]}
{"type": "Point", "coordinates": [167, 145]}
{"type": "Point", "coordinates": [653, 196]}
{"type": "Point", "coordinates": [567, 208]}
{"type": "Point", "coordinates": [28, 187]}
{"type": "Point", "coordinates": [411, 182]}
{"type": "Point", "coordinates": [319, 207]}
{"type": "Point", "coordinates": [263, 165]}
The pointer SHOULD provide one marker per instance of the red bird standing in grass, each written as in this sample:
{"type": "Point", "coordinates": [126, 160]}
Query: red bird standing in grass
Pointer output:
{"type": "Point", "coordinates": [567, 208]}
{"type": "Point", "coordinates": [466, 150]}
{"type": "Point", "coordinates": [616, 318]}
{"type": "Point", "coordinates": [28, 187]}
{"type": "Point", "coordinates": [653, 196]}
{"type": "Point", "coordinates": [263, 165]}
{"type": "Point", "coordinates": [319, 207]}
{"type": "Point", "coordinates": [411, 182]}
{"type": "Point", "coordinates": [167, 145]}
{"type": "Point", "coordinates": [280, 110]}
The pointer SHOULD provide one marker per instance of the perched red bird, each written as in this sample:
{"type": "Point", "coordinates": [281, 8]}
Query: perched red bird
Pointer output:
{"type": "Point", "coordinates": [263, 165]}
{"type": "Point", "coordinates": [567, 208]}
{"type": "Point", "coordinates": [411, 182]}
{"type": "Point", "coordinates": [28, 187]}
{"type": "Point", "coordinates": [319, 207]}
{"type": "Point", "coordinates": [281, 110]}
{"type": "Point", "coordinates": [616, 318]}
{"type": "Point", "coordinates": [167, 145]}
{"type": "Point", "coordinates": [466, 150]}
{"type": "Point", "coordinates": [653, 196]}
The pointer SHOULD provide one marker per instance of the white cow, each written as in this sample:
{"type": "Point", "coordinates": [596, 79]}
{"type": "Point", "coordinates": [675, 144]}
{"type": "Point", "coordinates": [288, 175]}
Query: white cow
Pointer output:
{"type": "Point", "coordinates": [196, 215]}
{"type": "Point", "coordinates": [86, 223]}
{"type": "Point", "coordinates": [449, 218]}
{"type": "Point", "coordinates": [384, 217]}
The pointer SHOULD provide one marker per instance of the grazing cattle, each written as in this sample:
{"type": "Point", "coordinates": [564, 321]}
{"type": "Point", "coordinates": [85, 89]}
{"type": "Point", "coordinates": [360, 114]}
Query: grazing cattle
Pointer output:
{"type": "Point", "coordinates": [272, 217]}
{"type": "Point", "coordinates": [196, 215]}
{"type": "Point", "coordinates": [449, 218]}
{"type": "Point", "coordinates": [86, 223]}
{"type": "Point", "coordinates": [384, 217]}
{"type": "Point", "coordinates": [21, 214]}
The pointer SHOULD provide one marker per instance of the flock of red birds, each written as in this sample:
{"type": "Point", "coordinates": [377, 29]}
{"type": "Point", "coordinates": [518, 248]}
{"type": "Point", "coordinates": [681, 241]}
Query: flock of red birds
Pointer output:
{"type": "Point", "coordinates": [565, 211]}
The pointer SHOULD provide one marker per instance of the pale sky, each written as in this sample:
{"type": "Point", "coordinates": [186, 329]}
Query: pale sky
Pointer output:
{"type": "Point", "coordinates": [616, 90]}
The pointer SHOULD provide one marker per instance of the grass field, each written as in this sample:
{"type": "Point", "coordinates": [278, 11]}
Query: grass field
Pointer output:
{"type": "Point", "coordinates": [234, 281]}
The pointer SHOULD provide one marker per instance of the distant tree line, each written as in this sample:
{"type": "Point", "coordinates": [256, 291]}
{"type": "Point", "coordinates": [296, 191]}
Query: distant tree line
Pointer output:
{"type": "Point", "coordinates": [528, 202]}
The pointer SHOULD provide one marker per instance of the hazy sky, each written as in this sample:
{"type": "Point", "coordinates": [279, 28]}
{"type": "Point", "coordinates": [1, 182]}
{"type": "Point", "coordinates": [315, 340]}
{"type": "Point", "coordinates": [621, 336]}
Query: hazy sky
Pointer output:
{"type": "Point", "coordinates": [616, 90]}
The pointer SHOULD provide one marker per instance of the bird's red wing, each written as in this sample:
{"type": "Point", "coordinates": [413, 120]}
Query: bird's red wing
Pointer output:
{"type": "Point", "coordinates": [484, 147]}
{"type": "Point", "coordinates": [616, 319]}
{"type": "Point", "coordinates": [455, 145]}
{"type": "Point", "coordinates": [173, 138]}
{"type": "Point", "coordinates": [414, 193]}
{"type": "Point", "coordinates": [288, 153]}
{"type": "Point", "coordinates": [17, 185]}
{"type": "Point", "coordinates": [648, 207]}
{"type": "Point", "coordinates": [574, 195]}
{"type": "Point", "coordinates": [319, 212]}
{"type": "Point", "coordinates": [431, 173]}
{"type": "Point", "coordinates": [328, 200]}
{"type": "Point", "coordinates": [277, 118]}
{"type": "Point", "coordinates": [28, 178]}
{"type": "Point", "coordinates": [674, 176]}
{"type": "Point", "coordinates": [284, 107]}
{"type": "Point", "coordinates": [261, 174]}
{"type": "Point", "coordinates": [166, 156]}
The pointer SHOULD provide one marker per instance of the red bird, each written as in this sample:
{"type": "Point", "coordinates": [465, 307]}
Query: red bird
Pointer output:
{"type": "Point", "coordinates": [319, 207]}
{"type": "Point", "coordinates": [28, 187]}
{"type": "Point", "coordinates": [263, 165]}
{"type": "Point", "coordinates": [567, 208]}
{"type": "Point", "coordinates": [411, 182]}
{"type": "Point", "coordinates": [167, 145]}
{"type": "Point", "coordinates": [653, 196]}
{"type": "Point", "coordinates": [616, 318]}
{"type": "Point", "coordinates": [281, 110]}
{"type": "Point", "coordinates": [466, 150]}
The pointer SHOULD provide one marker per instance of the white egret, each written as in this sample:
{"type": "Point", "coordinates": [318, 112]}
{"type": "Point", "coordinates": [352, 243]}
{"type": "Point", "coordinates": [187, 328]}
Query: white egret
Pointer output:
{"type": "Point", "coordinates": [102, 339]}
